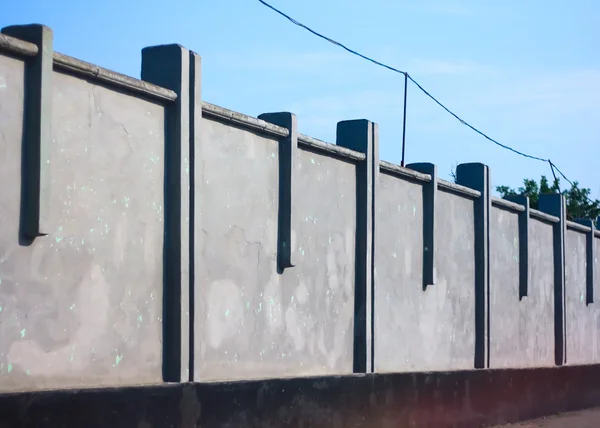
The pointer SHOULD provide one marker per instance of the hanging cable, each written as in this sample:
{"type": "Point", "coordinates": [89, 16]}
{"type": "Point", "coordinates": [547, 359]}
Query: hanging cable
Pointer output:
{"type": "Point", "coordinates": [404, 118]}
{"type": "Point", "coordinates": [407, 76]}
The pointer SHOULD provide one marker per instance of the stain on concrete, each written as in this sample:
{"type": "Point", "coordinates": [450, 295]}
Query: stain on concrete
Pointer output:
{"type": "Point", "coordinates": [300, 322]}
{"type": "Point", "coordinates": [71, 297]}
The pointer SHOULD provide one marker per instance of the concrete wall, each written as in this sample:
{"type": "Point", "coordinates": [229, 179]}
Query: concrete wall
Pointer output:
{"type": "Point", "coordinates": [417, 327]}
{"type": "Point", "coordinates": [147, 236]}
{"type": "Point", "coordinates": [582, 316]}
{"type": "Point", "coordinates": [255, 321]}
{"type": "Point", "coordinates": [82, 305]}
{"type": "Point", "coordinates": [522, 329]}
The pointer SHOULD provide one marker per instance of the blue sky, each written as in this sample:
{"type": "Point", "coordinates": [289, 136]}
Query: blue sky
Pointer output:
{"type": "Point", "coordinates": [527, 72]}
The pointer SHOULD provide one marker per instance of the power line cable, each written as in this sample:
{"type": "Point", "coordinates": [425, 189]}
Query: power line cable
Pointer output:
{"type": "Point", "coordinates": [504, 146]}
{"type": "Point", "coordinates": [353, 52]}
{"type": "Point", "coordinates": [295, 22]}
{"type": "Point", "coordinates": [554, 175]}
{"type": "Point", "coordinates": [553, 167]}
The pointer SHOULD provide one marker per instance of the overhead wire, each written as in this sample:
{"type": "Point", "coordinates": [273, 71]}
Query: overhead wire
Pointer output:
{"type": "Point", "coordinates": [310, 30]}
{"type": "Point", "coordinates": [553, 167]}
{"type": "Point", "coordinates": [484, 135]}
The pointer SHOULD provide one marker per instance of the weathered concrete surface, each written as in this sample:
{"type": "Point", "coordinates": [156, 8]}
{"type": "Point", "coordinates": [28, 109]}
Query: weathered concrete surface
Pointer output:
{"type": "Point", "coordinates": [82, 305]}
{"type": "Point", "coordinates": [255, 321]}
{"type": "Point", "coordinates": [417, 329]}
{"type": "Point", "coordinates": [521, 330]}
{"type": "Point", "coordinates": [463, 399]}
{"type": "Point", "coordinates": [398, 273]}
{"type": "Point", "coordinates": [582, 318]}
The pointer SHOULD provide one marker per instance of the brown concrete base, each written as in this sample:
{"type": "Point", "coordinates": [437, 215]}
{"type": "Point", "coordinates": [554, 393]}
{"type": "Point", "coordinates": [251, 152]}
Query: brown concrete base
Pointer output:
{"type": "Point", "coordinates": [453, 399]}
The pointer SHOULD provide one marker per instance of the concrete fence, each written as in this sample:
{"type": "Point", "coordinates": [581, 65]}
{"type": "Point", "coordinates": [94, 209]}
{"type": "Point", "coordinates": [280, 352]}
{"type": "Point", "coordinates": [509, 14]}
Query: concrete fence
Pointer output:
{"type": "Point", "coordinates": [147, 236]}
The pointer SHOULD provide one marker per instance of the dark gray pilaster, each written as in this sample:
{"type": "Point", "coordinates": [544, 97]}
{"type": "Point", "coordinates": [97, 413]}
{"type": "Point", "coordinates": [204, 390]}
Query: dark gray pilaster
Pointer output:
{"type": "Point", "coordinates": [554, 204]}
{"type": "Point", "coordinates": [362, 136]}
{"type": "Point", "coordinates": [429, 206]}
{"type": "Point", "coordinates": [590, 259]}
{"type": "Point", "coordinates": [477, 177]}
{"type": "Point", "coordinates": [287, 159]}
{"type": "Point", "coordinates": [176, 68]}
{"type": "Point", "coordinates": [523, 244]}
{"type": "Point", "coordinates": [35, 161]}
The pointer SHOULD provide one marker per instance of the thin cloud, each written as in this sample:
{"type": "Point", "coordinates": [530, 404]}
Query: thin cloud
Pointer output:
{"type": "Point", "coordinates": [318, 116]}
{"type": "Point", "coordinates": [351, 101]}
{"type": "Point", "coordinates": [442, 8]}
{"type": "Point", "coordinates": [568, 90]}
{"type": "Point", "coordinates": [279, 61]}
{"type": "Point", "coordinates": [440, 67]}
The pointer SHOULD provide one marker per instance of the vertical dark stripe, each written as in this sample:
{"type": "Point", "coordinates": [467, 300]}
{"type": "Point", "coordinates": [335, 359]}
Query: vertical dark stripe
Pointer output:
{"type": "Point", "coordinates": [374, 181]}
{"type": "Point", "coordinates": [523, 244]}
{"type": "Point", "coordinates": [287, 160]}
{"type": "Point", "coordinates": [404, 119]}
{"type": "Point", "coordinates": [37, 132]}
{"type": "Point", "coordinates": [429, 208]}
{"type": "Point", "coordinates": [193, 105]}
{"type": "Point", "coordinates": [590, 260]}
{"type": "Point", "coordinates": [477, 177]}
{"type": "Point", "coordinates": [358, 135]}
{"type": "Point", "coordinates": [171, 77]}
{"type": "Point", "coordinates": [554, 204]}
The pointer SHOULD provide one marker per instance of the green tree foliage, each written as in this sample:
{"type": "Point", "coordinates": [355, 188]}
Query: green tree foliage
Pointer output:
{"type": "Point", "coordinates": [579, 203]}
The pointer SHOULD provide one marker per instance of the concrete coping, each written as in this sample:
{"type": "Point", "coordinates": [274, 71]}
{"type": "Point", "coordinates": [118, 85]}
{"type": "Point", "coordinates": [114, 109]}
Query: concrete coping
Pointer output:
{"type": "Point", "coordinates": [77, 66]}
{"type": "Point", "coordinates": [250, 122]}
{"type": "Point", "coordinates": [578, 227]}
{"type": "Point", "coordinates": [404, 172]}
{"type": "Point", "coordinates": [503, 203]}
{"type": "Point", "coordinates": [410, 174]}
{"type": "Point", "coordinates": [543, 216]}
{"type": "Point", "coordinates": [83, 68]}
{"type": "Point", "coordinates": [457, 188]}
{"type": "Point", "coordinates": [17, 46]}
{"type": "Point", "coordinates": [262, 126]}
{"type": "Point", "coordinates": [331, 149]}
